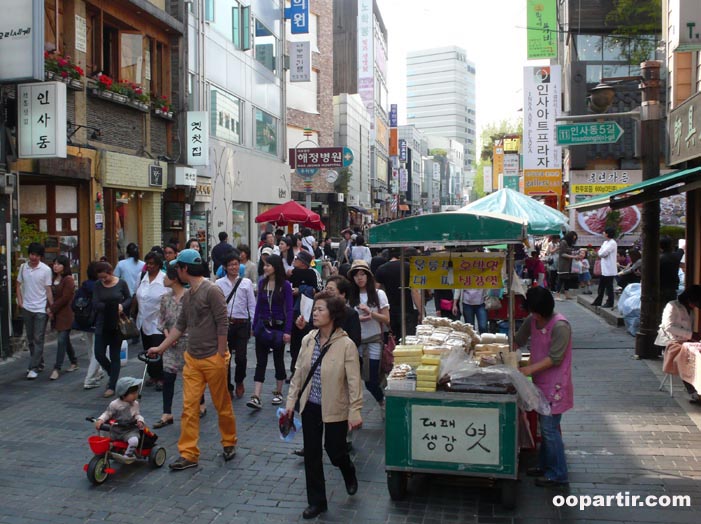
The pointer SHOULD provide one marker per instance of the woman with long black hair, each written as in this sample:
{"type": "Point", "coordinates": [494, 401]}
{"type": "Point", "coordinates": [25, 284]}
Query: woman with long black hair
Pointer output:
{"type": "Point", "coordinates": [61, 313]}
{"type": "Point", "coordinates": [272, 327]}
{"type": "Point", "coordinates": [373, 308]}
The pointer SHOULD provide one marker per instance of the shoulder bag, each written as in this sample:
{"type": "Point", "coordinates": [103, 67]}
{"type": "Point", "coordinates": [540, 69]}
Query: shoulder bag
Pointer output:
{"type": "Point", "coordinates": [387, 362]}
{"type": "Point", "coordinates": [127, 327]}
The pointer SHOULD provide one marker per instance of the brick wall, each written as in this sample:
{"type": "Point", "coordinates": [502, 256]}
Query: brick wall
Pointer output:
{"type": "Point", "coordinates": [151, 219]}
{"type": "Point", "coordinates": [120, 125]}
{"type": "Point", "coordinates": [128, 171]}
{"type": "Point", "coordinates": [159, 137]}
{"type": "Point", "coordinates": [70, 106]}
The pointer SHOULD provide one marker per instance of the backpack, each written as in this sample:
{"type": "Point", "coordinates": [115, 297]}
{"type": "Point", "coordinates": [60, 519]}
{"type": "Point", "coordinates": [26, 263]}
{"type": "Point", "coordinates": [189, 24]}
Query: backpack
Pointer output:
{"type": "Point", "coordinates": [83, 312]}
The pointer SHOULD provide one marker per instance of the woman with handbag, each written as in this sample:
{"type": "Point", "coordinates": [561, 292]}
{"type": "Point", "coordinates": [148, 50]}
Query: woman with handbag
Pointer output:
{"type": "Point", "coordinates": [111, 298]}
{"type": "Point", "coordinates": [327, 386]}
{"type": "Point", "coordinates": [373, 308]}
{"type": "Point", "coordinates": [148, 299]}
{"type": "Point", "coordinates": [272, 327]}
{"type": "Point", "coordinates": [61, 313]}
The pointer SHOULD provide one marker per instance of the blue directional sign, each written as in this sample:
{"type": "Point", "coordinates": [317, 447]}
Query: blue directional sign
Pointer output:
{"type": "Point", "coordinates": [307, 171]}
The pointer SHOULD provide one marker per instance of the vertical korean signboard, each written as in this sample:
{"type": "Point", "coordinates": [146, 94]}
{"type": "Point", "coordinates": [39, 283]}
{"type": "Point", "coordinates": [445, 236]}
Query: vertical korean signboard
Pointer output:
{"type": "Point", "coordinates": [42, 120]}
{"type": "Point", "coordinates": [22, 41]}
{"type": "Point", "coordinates": [298, 15]}
{"type": "Point", "coordinates": [541, 88]}
{"type": "Point", "coordinates": [197, 138]}
{"type": "Point", "coordinates": [300, 62]}
{"type": "Point", "coordinates": [366, 56]}
{"type": "Point", "coordinates": [542, 30]}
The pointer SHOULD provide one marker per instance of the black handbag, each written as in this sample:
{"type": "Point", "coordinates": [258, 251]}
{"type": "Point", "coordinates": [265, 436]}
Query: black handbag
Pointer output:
{"type": "Point", "coordinates": [127, 327]}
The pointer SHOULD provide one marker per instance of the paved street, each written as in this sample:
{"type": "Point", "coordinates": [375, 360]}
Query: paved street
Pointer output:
{"type": "Point", "coordinates": [623, 435]}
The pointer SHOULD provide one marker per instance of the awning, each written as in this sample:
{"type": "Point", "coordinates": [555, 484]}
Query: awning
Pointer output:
{"type": "Point", "coordinates": [360, 210]}
{"type": "Point", "coordinates": [403, 207]}
{"type": "Point", "coordinates": [647, 191]}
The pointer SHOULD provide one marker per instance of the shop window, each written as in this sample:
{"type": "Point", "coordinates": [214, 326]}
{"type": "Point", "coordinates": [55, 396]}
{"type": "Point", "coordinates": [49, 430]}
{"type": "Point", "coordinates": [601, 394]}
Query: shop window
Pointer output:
{"type": "Point", "coordinates": [265, 47]}
{"type": "Point", "coordinates": [225, 116]}
{"type": "Point", "coordinates": [131, 57]}
{"type": "Point", "coordinates": [266, 132]}
{"type": "Point", "coordinates": [241, 217]}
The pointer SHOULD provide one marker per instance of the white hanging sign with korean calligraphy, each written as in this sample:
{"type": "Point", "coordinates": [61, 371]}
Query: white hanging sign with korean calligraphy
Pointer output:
{"type": "Point", "coordinates": [42, 120]}
{"type": "Point", "coordinates": [197, 138]}
{"type": "Point", "coordinates": [455, 434]}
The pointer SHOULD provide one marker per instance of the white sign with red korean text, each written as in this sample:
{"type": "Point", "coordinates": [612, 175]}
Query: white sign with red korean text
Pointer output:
{"type": "Point", "coordinates": [42, 120]}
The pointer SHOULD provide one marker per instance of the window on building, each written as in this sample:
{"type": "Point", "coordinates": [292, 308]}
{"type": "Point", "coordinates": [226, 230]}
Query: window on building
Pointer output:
{"type": "Point", "coordinates": [209, 10]}
{"type": "Point", "coordinates": [266, 132]}
{"type": "Point", "coordinates": [225, 116]}
{"type": "Point", "coordinates": [265, 46]}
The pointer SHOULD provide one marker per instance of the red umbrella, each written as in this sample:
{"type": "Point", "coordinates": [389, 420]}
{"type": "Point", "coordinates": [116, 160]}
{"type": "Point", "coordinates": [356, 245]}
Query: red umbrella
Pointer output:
{"type": "Point", "coordinates": [291, 213]}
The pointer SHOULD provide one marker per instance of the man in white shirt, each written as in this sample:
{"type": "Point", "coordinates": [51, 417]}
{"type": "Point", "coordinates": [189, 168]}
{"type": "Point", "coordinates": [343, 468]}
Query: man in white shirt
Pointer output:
{"type": "Point", "coordinates": [269, 241]}
{"type": "Point", "coordinates": [607, 253]}
{"type": "Point", "coordinates": [240, 309]}
{"type": "Point", "coordinates": [34, 297]}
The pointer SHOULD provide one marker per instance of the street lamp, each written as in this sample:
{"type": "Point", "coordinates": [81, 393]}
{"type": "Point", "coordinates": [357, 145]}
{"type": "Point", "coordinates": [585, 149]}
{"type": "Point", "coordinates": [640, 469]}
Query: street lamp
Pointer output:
{"type": "Point", "coordinates": [650, 116]}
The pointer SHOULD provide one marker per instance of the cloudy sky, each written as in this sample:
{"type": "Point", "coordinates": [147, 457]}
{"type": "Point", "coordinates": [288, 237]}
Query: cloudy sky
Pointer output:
{"type": "Point", "coordinates": [492, 32]}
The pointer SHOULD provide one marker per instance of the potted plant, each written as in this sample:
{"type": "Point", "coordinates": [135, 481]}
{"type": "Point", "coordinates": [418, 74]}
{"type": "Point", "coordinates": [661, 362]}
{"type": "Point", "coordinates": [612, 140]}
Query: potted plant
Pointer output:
{"type": "Point", "coordinates": [162, 106]}
{"type": "Point", "coordinates": [103, 87]}
{"type": "Point", "coordinates": [122, 91]}
{"type": "Point", "coordinates": [59, 67]}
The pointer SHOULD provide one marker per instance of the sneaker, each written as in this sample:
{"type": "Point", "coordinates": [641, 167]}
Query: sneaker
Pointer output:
{"type": "Point", "coordinates": [182, 463]}
{"type": "Point", "coordinates": [129, 458]}
{"type": "Point", "coordinates": [277, 398]}
{"type": "Point", "coordinates": [54, 374]}
{"type": "Point", "coordinates": [229, 452]}
{"type": "Point", "coordinates": [31, 374]}
{"type": "Point", "coordinates": [91, 385]}
{"type": "Point", "coordinates": [72, 367]}
{"type": "Point", "coordinates": [254, 403]}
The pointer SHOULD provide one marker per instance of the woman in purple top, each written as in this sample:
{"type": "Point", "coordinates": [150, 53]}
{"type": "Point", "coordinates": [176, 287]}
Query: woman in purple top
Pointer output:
{"type": "Point", "coordinates": [272, 326]}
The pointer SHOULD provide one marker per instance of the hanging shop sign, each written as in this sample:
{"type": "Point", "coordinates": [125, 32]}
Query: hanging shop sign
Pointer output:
{"type": "Point", "coordinates": [22, 41]}
{"type": "Point", "coordinates": [541, 86]}
{"type": "Point", "coordinates": [42, 120]}
{"type": "Point", "coordinates": [300, 61]}
{"type": "Point", "coordinates": [298, 15]}
{"type": "Point", "coordinates": [457, 271]}
{"type": "Point", "coordinates": [542, 32]}
{"type": "Point", "coordinates": [320, 157]}
{"type": "Point", "coordinates": [197, 138]}
{"type": "Point", "coordinates": [155, 176]}
{"type": "Point", "coordinates": [185, 176]}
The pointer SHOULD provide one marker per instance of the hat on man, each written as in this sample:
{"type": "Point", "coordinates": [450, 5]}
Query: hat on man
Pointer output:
{"type": "Point", "coordinates": [305, 257]}
{"type": "Point", "coordinates": [266, 251]}
{"type": "Point", "coordinates": [191, 257]}
{"type": "Point", "coordinates": [359, 265]}
{"type": "Point", "coordinates": [124, 384]}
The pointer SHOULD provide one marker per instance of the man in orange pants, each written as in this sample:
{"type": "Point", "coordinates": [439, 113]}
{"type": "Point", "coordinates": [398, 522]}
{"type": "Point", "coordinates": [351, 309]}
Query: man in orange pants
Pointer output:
{"type": "Point", "coordinates": [203, 315]}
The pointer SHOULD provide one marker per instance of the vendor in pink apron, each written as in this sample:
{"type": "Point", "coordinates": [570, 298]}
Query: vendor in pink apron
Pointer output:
{"type": "Point", "coordinates": [550, 367]}
{"type": "Point", "coordinates": [676, 328]}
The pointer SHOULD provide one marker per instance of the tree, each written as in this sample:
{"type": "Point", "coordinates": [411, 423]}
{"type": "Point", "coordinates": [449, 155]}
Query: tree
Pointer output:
{"type": "Point", "coordinates": [636, 22]}
{"type": "Point", "coordinates": [494, 131]}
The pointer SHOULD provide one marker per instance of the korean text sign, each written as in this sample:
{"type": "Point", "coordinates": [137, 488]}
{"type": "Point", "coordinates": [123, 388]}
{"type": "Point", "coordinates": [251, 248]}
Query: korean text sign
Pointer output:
{"type": "Point", "coordinates": [457, 271]}
{"type": "Point", "coordinates": [542, 31]}
{"type": "Point", "coordinates": [455, 434]}
{"type": "Point", "coordinates": [42, 120]}
{"type": "Point", "coordinates": [197, 138]}
{"type": "Point", "coordinates": [541, 87]}
{"type": "Point", "coordinates": [298, 15]}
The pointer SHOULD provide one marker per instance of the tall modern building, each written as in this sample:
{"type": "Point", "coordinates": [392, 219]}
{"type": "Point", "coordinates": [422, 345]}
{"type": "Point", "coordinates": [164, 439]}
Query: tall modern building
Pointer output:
{"type": "Point", "coordinates": [441, 97]}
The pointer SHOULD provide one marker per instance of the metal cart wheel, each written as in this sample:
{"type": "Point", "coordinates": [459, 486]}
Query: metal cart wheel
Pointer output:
{"type": "Point", "coordinates": [157, 457]}
{"type": "Point", "coordinates": [96, 471]}
{"type": "Point", "coordinates": [396, 484]}
{"type": "Point", "coordinates": [508, 494]}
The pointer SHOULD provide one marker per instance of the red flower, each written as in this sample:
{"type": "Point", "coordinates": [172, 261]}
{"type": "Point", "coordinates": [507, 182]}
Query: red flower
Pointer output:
{"type": "Point", "coordinates": [64, 74]}
{"type": "Point", "coordinates": [79, 70]}
{"type": "Point", "coordinates": [62, 62]}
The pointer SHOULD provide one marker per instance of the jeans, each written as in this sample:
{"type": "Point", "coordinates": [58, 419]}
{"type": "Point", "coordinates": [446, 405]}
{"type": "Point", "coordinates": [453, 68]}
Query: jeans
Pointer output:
{"type": "Point", "coordinates": [262, 351]}
{"type": "Point", "coordinates": [552, 450]}
{"type": "Point", "coordinates": [64, 346]}
{"type": "Point", "coordinates": [237, 340]}
{"type": "Point", "coordinates": [373, 382]}
{"type": "Point", "coordinates": [35, 327]}
{"type": "Point", "coordinates": [93, 374]}
{"type": "Point", "coordinates": [113, 365]}
{"type": "Point", "coordinates": [480, 311]}
{"type": "Point", "coordinates": [154, 369]}
{"type": "Point", "coordinates": [605, 285]}
{"type": "Point", "coordinates": [335, 445]}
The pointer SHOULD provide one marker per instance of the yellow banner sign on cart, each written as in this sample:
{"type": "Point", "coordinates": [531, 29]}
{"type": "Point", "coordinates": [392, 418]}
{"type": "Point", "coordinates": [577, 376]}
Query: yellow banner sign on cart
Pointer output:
{"type": "Point", "coordinates": [457, 271]}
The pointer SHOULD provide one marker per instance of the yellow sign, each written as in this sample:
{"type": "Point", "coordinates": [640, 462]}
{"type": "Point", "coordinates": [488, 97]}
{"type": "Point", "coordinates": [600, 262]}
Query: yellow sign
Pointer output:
{"type": "Point", "coordinates": [457, 271]}
{"type": "Point", "coordinates": [596, 189]}
{"type": "Point", "coordinates": [497, 165]}
{"type": "Point", "coordinates": [542, 181]}
{"type": "Point", "coordinates": [512, 145]}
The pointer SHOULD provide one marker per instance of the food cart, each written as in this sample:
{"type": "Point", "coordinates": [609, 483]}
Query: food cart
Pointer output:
{"type": "Point", "coordinates": [450, 432]}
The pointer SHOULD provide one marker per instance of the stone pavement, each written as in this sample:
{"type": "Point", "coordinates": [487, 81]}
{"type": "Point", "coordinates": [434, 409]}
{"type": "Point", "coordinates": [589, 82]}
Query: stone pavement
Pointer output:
{"type": "Point", "coordinates": [622, 436]}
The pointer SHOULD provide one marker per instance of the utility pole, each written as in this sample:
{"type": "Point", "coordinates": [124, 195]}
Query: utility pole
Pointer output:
{"type": "Point", "coordinates": [650, 116]}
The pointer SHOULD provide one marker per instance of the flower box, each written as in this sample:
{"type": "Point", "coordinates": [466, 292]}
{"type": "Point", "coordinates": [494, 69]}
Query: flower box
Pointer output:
{"type": "Point", "coordinates": [168, 115]}
{"type": "Point", "coordinates": [49, 75]}
{"type": "Point", "coordinates": [76, 84]}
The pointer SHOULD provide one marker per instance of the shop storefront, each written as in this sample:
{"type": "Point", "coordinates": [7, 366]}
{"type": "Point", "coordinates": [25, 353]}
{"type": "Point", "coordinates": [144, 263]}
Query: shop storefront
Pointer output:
{"type": "Point", "coordinates": [200, 214]}
{"type": "Point", "coordinates": [133, 189]}
{"type": "Point", "coordinates": [182, 184]}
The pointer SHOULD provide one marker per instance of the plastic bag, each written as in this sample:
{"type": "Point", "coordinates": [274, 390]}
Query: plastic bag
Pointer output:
{"type": "Point", "coordinates": [291, 429]}
{"type": "Point", "coordinates": [629, 306]}
{"type": "Point", "coordinates": [124, 352]}
{"type": "Point", "coordinates": [530, 398]}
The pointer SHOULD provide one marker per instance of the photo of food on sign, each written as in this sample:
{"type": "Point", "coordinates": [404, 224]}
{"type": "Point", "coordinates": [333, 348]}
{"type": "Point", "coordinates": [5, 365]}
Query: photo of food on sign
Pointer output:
{"type": "Point", "coordinates": [594, 222]}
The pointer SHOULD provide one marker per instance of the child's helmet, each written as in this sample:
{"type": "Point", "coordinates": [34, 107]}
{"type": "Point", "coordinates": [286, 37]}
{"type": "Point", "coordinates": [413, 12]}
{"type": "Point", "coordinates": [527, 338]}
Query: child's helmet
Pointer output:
{"type": "Point", "coordinates": [126, 383]}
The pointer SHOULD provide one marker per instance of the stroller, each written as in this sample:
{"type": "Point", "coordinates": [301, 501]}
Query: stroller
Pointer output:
{"type": "Point", "coordinates": [106, 449]}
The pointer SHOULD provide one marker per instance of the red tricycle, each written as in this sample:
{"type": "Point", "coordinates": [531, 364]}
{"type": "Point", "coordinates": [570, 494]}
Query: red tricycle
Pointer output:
{"type": "Point", "coordinates": [106, 449]}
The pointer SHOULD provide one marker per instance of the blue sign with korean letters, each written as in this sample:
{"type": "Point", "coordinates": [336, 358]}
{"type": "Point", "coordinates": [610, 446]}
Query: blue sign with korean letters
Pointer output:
{"type": "Point", "coordinates": [402, 150]}
{"type": "Point", "coordinates": [298, 15]}
{"type": "Point", "coordinates": [393, 115]}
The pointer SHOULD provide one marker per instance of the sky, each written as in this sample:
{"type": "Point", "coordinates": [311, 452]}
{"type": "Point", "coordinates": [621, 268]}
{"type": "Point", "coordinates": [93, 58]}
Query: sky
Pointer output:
{"type": "Point", "coordinates": [492, 32]}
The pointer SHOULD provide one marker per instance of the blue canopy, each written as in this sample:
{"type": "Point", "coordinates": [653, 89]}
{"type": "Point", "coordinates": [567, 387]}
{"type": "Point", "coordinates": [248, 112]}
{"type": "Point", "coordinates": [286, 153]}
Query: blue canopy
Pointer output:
{"type": "Point", "coordinates": [541, 219]}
